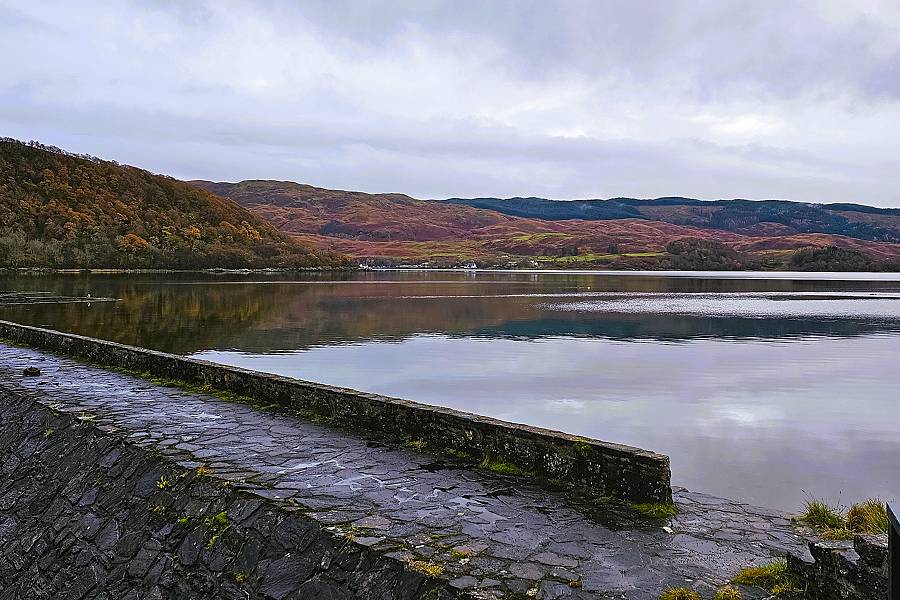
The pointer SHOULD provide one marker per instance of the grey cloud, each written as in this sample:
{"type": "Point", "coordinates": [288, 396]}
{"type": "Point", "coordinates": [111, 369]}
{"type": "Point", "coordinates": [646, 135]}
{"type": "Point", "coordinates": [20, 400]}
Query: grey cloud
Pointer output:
{"type": "Point", "coordinates": [564, 99]}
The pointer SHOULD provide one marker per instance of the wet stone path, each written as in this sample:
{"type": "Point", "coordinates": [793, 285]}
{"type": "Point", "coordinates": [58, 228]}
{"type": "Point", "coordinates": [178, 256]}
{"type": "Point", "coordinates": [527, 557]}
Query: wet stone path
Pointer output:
{"type": "Point", "coordinates": [490, 534]}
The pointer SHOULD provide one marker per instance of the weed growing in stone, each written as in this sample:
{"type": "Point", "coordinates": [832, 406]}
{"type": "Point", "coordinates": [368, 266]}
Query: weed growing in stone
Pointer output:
{"type": "Point", "coordinates": [773, 577]}
{"type": "Point", "coordinates": [457, 554]}
{"type": "Point", "coordinates": [418, 444]}
{"type": "Point", "coordinates": [184, 521]}
{"type": "Point", "coordinates": [163, 483]}
{"type": "Point", "coordinates": [239, 577]}
{"type": "Point", "coordinates": [583, 449]}
{"type": "Point", "coordinates": [202, 472]}
{"type": "Point", "coordinates": [425, 568]}
{"type": "Point", "coordinates": [217, 524]}
{"type": "Point", "coordinates": [48, 432]}
{"type": "Point", "coordinates": [679, 594]}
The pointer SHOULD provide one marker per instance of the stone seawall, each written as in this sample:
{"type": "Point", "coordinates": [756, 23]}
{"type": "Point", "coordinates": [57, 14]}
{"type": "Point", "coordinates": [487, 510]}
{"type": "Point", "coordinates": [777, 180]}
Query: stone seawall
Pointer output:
{"type": "Point", "coordinates": [844, 569]}
{"type": "Point", "coordinates": [606, 469]}
{"type": "Point", "coordinates": [84, 512]}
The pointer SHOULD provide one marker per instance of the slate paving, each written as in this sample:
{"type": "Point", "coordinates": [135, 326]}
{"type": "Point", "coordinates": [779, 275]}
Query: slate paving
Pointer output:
{"type": "Point", "coordinates": [495, 535]}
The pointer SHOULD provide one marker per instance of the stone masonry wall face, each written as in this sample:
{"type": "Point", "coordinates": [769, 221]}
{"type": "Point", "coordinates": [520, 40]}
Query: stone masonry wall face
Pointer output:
{"type": "Point", "coordinates": [86, 514]}
{"type": "Point", "coordinates": [607, 469]}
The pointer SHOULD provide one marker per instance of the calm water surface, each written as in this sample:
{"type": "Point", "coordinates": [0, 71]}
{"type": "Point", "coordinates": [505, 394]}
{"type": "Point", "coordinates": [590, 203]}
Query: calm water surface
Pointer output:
{"type": "Point", "coordinates": [766, 388]}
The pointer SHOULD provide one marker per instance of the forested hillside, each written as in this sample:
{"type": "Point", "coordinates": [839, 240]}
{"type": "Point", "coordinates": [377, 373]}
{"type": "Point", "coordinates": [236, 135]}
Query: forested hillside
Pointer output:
{"type": "Point", "coordinates": [71, 211]}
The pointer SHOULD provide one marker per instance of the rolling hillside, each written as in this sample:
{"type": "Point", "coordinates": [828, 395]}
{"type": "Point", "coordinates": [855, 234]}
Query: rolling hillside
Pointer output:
{"type": "Point", "coordinates": [63, 210]}
{"type": "Point", "coordinates": [765, 217]}
{"type": "Point", "coordinates": [394, 228]}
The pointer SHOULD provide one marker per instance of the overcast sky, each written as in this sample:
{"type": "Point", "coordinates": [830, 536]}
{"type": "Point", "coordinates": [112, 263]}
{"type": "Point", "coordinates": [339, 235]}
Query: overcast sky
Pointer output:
{"type": "Point", "coordinates": [709, 99]}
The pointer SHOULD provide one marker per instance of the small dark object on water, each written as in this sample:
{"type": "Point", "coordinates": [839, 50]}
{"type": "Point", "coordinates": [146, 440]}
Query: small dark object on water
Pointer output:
{"type": "Point", "coordinates": [31, 371]}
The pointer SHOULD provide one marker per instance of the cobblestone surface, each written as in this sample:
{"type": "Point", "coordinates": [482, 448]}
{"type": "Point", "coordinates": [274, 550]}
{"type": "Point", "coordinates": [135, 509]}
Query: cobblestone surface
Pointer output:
{"type": "Point", "coordinates": [493, 535]}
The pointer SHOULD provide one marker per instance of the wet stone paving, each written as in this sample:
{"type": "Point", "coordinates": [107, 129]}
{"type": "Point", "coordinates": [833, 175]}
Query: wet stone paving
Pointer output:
{"type": "Point", "coordinates": [491, 534]}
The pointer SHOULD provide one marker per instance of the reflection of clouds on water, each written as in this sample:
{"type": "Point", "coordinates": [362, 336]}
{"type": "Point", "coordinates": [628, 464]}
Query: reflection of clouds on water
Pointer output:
{"type": "Point", "coordinates": [567, 405]}
{"type": "Point", "coordinates": [743, 416]}
{"type": "Point", "coordinates": [754, 305]}
{"type": "Point", "coordinates": [718, 408]}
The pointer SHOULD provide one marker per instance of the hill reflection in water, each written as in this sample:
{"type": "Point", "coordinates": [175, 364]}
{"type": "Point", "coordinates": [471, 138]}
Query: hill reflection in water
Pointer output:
{"type": "Point", "coordinates": [763, 389]}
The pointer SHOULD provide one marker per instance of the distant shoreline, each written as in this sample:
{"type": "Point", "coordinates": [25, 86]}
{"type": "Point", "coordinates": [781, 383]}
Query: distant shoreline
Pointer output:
{"type": "Point", "coordinates": [779, 275]}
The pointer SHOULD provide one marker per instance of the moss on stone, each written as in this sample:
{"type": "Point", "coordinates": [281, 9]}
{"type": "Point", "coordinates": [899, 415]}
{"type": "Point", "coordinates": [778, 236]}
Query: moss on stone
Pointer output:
{"type": "Point", "coordinates": [502, 467]}
{"type": "Point", "coordinates": [656, 510]}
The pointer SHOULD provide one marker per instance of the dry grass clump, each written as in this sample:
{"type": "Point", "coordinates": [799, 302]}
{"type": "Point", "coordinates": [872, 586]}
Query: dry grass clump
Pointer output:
{"type": "Point", "coordinates": [679, 594]}
{"type": "Point", "coordinates": [728, 593]}
{"type": "Point", "coordinates": [868, 517]}
{"type": "Point", "coordinates": [773, 577]}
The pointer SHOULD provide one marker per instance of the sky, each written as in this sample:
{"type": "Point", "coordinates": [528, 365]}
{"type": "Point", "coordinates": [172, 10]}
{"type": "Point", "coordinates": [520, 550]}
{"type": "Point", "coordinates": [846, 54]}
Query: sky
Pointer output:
{"type": "Point", "coordinates": [561, 99]}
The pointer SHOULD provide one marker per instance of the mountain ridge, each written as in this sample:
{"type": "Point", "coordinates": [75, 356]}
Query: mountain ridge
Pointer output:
{"type": "Point", "coordinates": [395, 228]}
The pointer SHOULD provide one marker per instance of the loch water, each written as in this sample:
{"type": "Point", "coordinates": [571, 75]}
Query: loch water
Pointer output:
{"type": "Point", "coordinates": [765, 387]}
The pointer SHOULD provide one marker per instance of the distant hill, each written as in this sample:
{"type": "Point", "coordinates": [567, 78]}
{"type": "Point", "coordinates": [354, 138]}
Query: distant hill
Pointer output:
{"type": "Point", "coordinates": [764, 217]}
{"type": "Point", "coordinates": [75, 211]}
{"type": "Point", "coordinates": [389, 229]}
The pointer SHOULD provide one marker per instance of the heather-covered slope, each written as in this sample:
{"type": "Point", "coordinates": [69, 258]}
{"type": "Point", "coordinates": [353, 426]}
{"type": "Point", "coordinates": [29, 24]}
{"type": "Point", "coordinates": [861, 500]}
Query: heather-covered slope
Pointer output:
{"type": "Point", "coordinates": [390, 228]}
{"type": "Point", "coordinates": [61, 210]}
{"type": "Point", "coordinates": [766, 217]}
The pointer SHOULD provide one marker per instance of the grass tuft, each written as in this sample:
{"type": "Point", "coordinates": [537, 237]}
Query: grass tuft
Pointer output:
{"type": "Point", "coordinates": [656, 510]}
{"type": "Point", "coordinates": [773, 577]}
{"type": "Point", "coordinates": [868, 517]}
{"type": "Point", "coordinates": [679, 594]}
{"type": "Point", "coordinates": [821, 515]}
{"type": "Point", "coordinates": [728, 593]}
{"type": "Point", "coordinates": [841, 533]}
